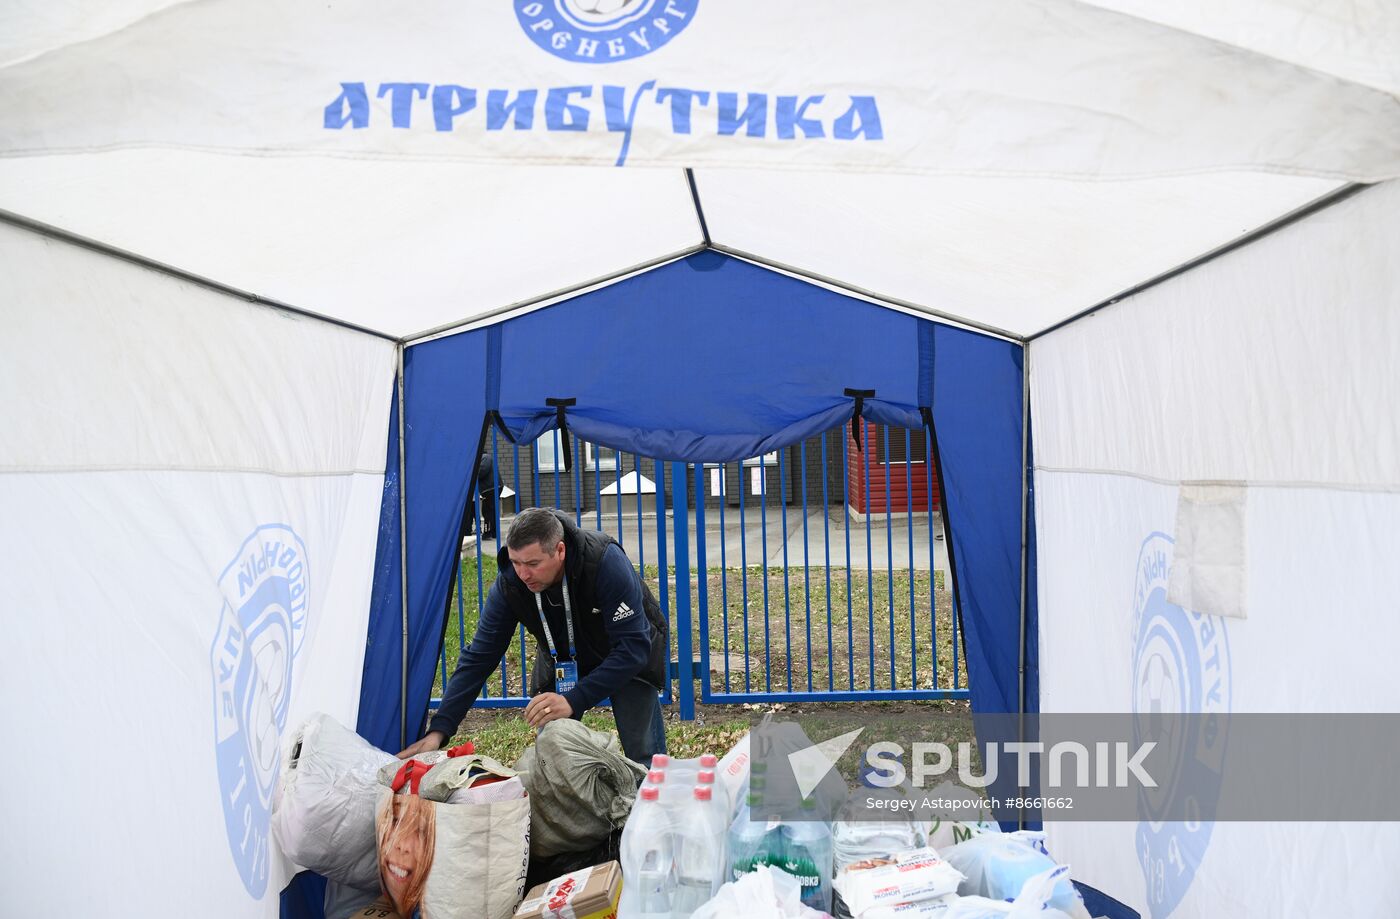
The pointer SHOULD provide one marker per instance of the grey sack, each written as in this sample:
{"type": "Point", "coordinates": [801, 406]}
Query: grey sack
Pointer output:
{"type": "Point", "coordinates": [580, 784]}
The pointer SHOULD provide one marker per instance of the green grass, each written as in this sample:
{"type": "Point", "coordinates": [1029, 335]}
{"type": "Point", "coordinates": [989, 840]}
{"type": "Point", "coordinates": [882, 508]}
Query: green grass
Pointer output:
{"type": "Point", "coordinates": [506, 735]}
{"type": "Point", "coordinates": [852, 644]}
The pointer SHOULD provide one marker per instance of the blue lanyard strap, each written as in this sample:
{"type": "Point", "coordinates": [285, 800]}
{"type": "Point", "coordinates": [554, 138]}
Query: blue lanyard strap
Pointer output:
{"type": "Point", "coordinates": [568, 620]}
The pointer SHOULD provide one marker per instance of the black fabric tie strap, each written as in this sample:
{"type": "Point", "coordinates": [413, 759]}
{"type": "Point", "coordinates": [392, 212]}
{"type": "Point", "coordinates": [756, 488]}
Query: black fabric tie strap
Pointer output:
{"type": "Point", "coordinates": [860, 395]}
{"type": "Point", "coordinates": [559, 405]}
{"type": "Point", "coordinates": [500, 423]}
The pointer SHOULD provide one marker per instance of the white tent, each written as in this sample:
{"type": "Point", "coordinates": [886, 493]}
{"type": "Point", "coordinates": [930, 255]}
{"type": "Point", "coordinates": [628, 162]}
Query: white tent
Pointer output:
{"type": "Point", "coordinates": [1184, 217]}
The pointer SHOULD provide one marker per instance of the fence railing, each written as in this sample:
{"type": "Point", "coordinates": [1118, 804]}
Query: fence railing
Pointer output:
{"type": "Point", "coordinates": [816, 573]}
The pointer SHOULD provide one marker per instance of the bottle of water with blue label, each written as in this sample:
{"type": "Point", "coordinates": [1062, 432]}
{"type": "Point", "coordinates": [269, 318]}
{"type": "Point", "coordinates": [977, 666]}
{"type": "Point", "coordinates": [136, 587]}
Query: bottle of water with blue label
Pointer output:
{"type": "Point", "coordinates": [807, 855]}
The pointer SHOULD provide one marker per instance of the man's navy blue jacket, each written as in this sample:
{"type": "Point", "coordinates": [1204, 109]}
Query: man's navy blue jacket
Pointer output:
{"type": "Point", "coordinates": [618, 630]}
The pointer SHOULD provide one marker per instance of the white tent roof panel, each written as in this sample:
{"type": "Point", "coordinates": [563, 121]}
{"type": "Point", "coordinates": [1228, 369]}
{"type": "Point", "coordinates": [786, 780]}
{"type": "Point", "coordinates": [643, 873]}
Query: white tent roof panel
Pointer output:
{"type": "Point", "coordinates": [1015, 254]}
{"type": "Point", "coordinates": [1352, 39]}
{"type": "Point", "coordinates": [396, 247]}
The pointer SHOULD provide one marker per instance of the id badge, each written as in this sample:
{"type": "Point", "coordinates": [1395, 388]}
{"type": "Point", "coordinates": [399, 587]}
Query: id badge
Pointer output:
{"type": "Point", "coordinates": [565, 676]}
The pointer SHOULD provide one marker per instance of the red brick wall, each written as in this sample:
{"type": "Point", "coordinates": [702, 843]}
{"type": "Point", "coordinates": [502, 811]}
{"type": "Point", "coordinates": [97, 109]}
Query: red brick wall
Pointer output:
{"type": "Point", "coordinates": [900, 482]}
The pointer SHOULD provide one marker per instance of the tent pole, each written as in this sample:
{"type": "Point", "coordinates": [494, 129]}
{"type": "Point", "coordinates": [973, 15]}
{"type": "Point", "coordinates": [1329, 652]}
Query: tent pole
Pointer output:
{"type": "Point", "coordinates": [695, 198]}
{"type": "Point", "coordinates": [1025, 521]}
{"type": "Point", "coordinates": [491, 316]}
{"type": "Point", "coordinates": [92, 245]}
{"type": "Point", "coordinates": [881, 299]}
{"type": "Point", "coordinates": [1335, 196]}
{"type": "Point", "coordinates": [403, 563]}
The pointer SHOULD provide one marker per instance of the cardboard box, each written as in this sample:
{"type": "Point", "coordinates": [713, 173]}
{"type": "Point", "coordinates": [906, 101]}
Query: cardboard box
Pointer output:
{"type": "Point", "coordinates": [379, 909]}
{"type": "Point", "coordinates": [588, 894]}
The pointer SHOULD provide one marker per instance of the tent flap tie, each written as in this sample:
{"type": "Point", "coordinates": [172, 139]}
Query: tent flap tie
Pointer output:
{"type": "Point", "coordinates": [559, 406]}
{"type": "Point", "coordinates": [860, 395]}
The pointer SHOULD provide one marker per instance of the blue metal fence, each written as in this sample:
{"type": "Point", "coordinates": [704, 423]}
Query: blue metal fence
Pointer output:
{"type": "Point", "coordinates": [727, 617]}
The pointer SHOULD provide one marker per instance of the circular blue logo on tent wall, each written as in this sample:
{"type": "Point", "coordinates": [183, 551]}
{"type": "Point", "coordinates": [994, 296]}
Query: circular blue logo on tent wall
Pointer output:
{"type": "Point", "coordinates": [603, 31]}
{"type": "Point", "coordinates": [1181, 664]}
{"type": "Point", "coordinates": [261, 626]}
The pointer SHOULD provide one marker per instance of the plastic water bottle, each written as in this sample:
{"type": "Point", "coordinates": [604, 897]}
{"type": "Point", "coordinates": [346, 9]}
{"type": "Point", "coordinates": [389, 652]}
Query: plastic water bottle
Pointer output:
{"type": "Point", "coordinates": [807, 856]}
{"type": "Point", "coordinates": [752, 844]}
{"type": "Point", "coordinates": [648, 855]}
{"type": "Point", "coordinates": [701, 863]}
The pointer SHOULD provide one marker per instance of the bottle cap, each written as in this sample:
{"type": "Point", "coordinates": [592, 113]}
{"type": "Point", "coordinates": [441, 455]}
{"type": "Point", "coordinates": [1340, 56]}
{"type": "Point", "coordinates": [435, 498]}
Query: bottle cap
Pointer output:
{"type": "Point", "coordinates": [755, 798]}
{"type": "Point", "coordinates": [649, 792]}
{"type": "Point", "coordinates": [704, 777]}
{"type": "Point", "coordinates": [708, 761]}
{"type": "Point", "coordinates": [656, 776]}
{"type": "Point", "coordinates": [703, 792]}
{"type": "Point", "coordinates": [758, 782]}
{"type": "Point", "coordinates": [660, 761]}
{"type": "Point", "coordinates": [758, 768]}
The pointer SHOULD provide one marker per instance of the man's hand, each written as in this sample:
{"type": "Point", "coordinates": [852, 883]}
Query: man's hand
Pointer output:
{"type": "Point", "coordinates": [547, 707]}
{"type": "Point", "coordinates": [433, 741]}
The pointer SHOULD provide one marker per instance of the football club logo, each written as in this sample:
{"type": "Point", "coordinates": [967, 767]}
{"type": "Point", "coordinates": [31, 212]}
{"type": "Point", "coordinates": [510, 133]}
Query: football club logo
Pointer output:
{"type": "Point", "coordinates": [1181, 665]}
{"type": "Point", "coordinates": [603, 31]}
{"type": "Point", "coordinates": [261, 626]}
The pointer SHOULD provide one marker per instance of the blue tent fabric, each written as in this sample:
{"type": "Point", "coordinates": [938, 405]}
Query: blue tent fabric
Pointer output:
{"type": "Point", "coordinates": [444, 406]}
{"type": "Point", "coordinates": [977, 416]}
{"type": "Point", "coordinates": [708, 358]}
{"type": "Point", "coordinates": [304, 897]}
{"type": "Point", "coordinates": [705, 359]}
{"type": "Point", "coordinates": [1100, 904]}
{"type": "Point", "coordinates": [379, 704]}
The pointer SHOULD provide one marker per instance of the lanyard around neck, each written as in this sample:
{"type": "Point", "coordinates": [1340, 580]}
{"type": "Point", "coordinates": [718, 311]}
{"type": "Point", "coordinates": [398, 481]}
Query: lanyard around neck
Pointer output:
{"type": "Point", "coordinates": [568, 620]}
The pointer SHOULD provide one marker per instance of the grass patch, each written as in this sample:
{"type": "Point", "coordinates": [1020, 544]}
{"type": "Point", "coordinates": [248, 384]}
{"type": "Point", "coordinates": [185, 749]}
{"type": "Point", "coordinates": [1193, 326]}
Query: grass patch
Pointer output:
{"type": "Point", "coordinates": [506, 735]}
{"type": "Point", "coordinates": [875, 643]}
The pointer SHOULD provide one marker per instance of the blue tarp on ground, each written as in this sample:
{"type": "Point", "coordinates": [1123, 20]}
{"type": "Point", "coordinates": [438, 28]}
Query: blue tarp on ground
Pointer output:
{"type": "Point", "coordinates": [712, 359]}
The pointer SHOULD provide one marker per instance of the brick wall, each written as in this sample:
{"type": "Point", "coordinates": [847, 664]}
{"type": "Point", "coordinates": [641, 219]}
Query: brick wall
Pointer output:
{"type": "Point", "coordinates": [903, 478]}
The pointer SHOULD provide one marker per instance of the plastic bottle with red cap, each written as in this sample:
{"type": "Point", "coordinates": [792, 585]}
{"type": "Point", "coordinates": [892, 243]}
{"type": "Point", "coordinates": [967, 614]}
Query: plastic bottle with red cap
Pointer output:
{"type": "Point", "coordinates": [701, 863]}
{"type": "Point", "coordinates": [648, 855]}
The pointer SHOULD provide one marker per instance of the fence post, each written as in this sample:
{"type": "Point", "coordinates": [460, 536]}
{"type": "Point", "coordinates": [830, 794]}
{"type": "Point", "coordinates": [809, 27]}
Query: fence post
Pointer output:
{"type": "Point", "coordinates": [680, 528]}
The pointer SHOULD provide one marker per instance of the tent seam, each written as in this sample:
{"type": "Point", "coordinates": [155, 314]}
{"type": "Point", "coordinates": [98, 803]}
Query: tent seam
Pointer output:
{"type": "Point", "coordinates": [1381, 488]}
{"type": "Point", "coordinates": [845, 168]}
{"type": "Point", "coordinates": [239, 470]}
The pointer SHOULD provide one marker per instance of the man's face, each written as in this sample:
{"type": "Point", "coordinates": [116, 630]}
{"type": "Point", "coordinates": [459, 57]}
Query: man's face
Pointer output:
{"type": "Point", "coordinates": [538, 567]}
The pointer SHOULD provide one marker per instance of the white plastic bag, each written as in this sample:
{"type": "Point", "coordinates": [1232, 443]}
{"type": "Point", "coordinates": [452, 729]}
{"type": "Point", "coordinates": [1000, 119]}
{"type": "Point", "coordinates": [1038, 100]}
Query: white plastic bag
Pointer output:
{"type": "Point", "coordinates": [1001, 866]}
{"type": "Point", "coordinates": [764, 893]}
{"type": "Point", "coordinates": [919, 909]}
{"type": "Point", "coordinates": [954, 824]}
{"type": "Point", "coordinates": [323, 810]}
{"type": "Point", "coordinates": [907, 877]}
{"type": "Point", "coordinates": [1032, 903]}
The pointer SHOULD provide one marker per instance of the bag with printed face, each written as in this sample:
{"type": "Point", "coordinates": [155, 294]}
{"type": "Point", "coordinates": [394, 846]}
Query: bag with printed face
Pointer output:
{"type": "Point", "coordinates": [451, 859]}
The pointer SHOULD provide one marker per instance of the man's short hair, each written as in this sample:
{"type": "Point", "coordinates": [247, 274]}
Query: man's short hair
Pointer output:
{"type": "Point", "coordinates": [535, 525]}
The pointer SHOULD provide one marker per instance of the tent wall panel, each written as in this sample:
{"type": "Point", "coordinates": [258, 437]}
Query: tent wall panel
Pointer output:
{"type": "Point", "coordinates": [698, 392]}
{"type": "Point", "coordinates": [1269, 369]}
{"type": "Point", "coordinates": [191, 486]}
{"type": "Point", "coordinates": [444, 407]}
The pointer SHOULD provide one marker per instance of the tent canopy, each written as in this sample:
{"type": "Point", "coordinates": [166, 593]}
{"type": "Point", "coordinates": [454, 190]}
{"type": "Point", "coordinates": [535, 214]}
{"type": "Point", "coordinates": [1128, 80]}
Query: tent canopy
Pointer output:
{"type": "Point", "coordinates": [1009, 163]}
{"type": "Point", "coordinates": [829, 178]}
